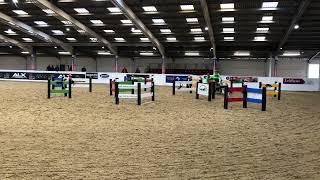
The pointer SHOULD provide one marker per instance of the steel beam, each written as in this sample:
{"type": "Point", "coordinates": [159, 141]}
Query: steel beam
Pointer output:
{"type": "Point", "coordinates": [138, 23]}
{"type": "Point", "coordinates": [61, 15]}
{"type": "Point", "coordinates": [314, 56]}
{"type": "Point", "coordinates": [22, 46]}
{"type": "Point", "coordinates": [14, 23]}
{"type": "Point", "coordinates": [302, 8]}
{"type": "Point", "coordinates": [207, 18]}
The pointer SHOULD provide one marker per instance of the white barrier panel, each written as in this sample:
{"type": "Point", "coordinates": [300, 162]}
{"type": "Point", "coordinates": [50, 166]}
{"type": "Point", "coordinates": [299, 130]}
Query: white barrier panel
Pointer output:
{"type": "Point", "coordinates": [203, 89]}
{"type": "Point", "coordinates": [184, 82]}
{"type": "Point", "coordinates": [254, 95]}
{"type": "Point", "coordinates": [128, 96]}
{"type": "Point", "coordinates": [144, 95]}
{"type": "Point", "coordinates": [127, 86]}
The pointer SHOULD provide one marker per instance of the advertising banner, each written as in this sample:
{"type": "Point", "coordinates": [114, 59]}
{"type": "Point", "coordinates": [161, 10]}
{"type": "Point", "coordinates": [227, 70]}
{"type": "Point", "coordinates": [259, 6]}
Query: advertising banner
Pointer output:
{"type": "Point", "coordinates": [203, 89]}
{"type": "Point", "coordinates": [169, 79]}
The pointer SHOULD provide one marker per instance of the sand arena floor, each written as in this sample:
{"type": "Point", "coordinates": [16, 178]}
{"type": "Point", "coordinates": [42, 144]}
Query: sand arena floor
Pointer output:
{"type": "Point", "coordinates": [176, 137]}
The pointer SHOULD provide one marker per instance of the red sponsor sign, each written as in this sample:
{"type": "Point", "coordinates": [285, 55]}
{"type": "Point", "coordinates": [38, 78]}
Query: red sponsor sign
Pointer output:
{"type": "Point", "coordinates": [293, 81]}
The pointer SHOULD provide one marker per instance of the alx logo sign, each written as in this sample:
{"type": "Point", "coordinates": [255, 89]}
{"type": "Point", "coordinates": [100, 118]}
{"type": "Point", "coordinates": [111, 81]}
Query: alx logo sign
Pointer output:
{"type": "Point", "coordinates": [104, 75]}
{"type": "Point", "coordinates": [203, 88]}
{"type": "Point", "coordinates": [19, 76]}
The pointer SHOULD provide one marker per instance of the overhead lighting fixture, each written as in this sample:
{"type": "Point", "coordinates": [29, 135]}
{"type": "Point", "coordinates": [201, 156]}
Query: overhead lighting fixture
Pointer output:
{"type": "Point", "coordinates": [114, 10]}
{"type": "Point", "coordinates": [291, 53]}
{"type": "Point", "coordinates": [81, 10]}
{"type": "Point", "coordinates": [10, 32]}
{"type": "Point", "coordinates": [24, 52]}
{"type": "Point", "coordinates": [71, 39]}
{"type": "Point", "coordinates": [196, 30]}
{"type": "Point", "coordinates": [259, 38]}
{"type": "Point", "coordinates": [103, 53]}
{"type": "Point", "coordinates": [108, 31]}
{"type": "Point", "coordinates": [144, 39]}
{"type": "Point", "coordinates": [228, 30]}
{"type": "Point", "coordinates": [228, 38]}
{"type": "Point", "coordinates": [20, 12]}
{"type": "Point", "coordinates": [270, 4]}
{"type": "Point", "coordinates": [94, 39]}
{"type": "Point", "coordinates": [136, 30]}
{"type": "Point", "coordinates": [66, 22]}
{"type": "Point", "coordinates": [149, 9]}
{"type": "Point", "coordinates": [296, 26]}
{"type": "Point", "coordinates": [199, 38]}
{"type": "Point", "coordinates": [64, 53]}
{"type": "Point", "coordinates": [165, 30]}
{"type": "Point", "coordinates": [48, 11]}
{"type": "Point", "coordinates": [241, 53]}
{"type": "Point", "coordinates": [227, 6]}
{"type": "Point", "coordinates": [206, 28]}
{"type": "Point", "coordinates": [263, 30]}
{"type": "Point", "coordinates": [57, 32]}
{"type": "Point", "coordinates": [267, 19]}
{"type": "Point", "coordinates": [227, 19]}
{"type": "Point", "coordinates": [158, 21]}
{"type": "Point", "coordinates": [119, 39]}
{"type": "Point", "coordinates": [96, 21]}
{"type": "Point", "coordinates": [146, 53]}
{"type": "Point", "coordinates": [126, 21]}
{"type": "Point", "coordinates": [192, 20]}
{"type": "Point", "coordinates": [67, 29]}
{"type": "Point", "coordinates": [81, 31]}
{"type": "Point", "coordinates": [27, 39]}
{"type": "Point", "coordinates": [191, 53]}
{"type": "Point", "coordinates": [187, 7]}
{"type": "Point", "coordinates": [41, 23]}
{"type": "Point", "coordinates": [171, 39]}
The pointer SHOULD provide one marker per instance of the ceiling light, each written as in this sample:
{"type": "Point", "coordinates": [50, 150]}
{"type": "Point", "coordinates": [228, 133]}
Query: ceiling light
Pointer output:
{"type": "Point", "coordinates": [191, 53]}
{"type": "Point", "coordinates": [259, 38]}
{"type": "Point", "coordinates": [146, 53]}
{"type": "Point", "coordinates": [93, 39]}
{"type": "Point", "coordinates": [55, 47]}
{"type": "Point", "coordinates": [66, 22]}
{"type": "Point", "coordinates": [144, 39]}
{"type": "Point", "coordinates": [171, 39]}
{"type": "Point", "coordinates": [196, 30]}
{"type": "Point", "coordinates": [149, 8]}
{"type": "Point", "coordinates": [228, 30]}
{"type": "Point", "coordinates": [267, 19]}
{"type": "Point", "coordinates": [296, 26]}
{"type": "Point", "coordinates": [269, 4]}
{"type": "Point", "coordinates": [165, 30]}
{"type": "Point", "coordinates": [104, 53]}
{"type": "Point", "coordinates": [227, 6]}
{"type": "Point", "coordinates": [187, 7]}
{"type": "Point", "coordinates": [20, 12]}
{"type": "Point", "coordinates": [41, 23]}
{"type": "Point", "coordinates": [27, 39]}
{"type": "Point", "coordinates": [96, 22]}
{"type": "Point", "coordinates": [227, 19]}
{"type": "Point", "coordinates": [71, 39]}
{"type": "Point", "coordinates": [291, 53]}
{"type": "Point", "coordinates": [64, 53]}
{"type": "Point", "coordinates": [158, 21]}
{"type": "Point", "coordinates": [10, 32]}
{"type": "Point", "coordinates": [25, 52]}
{"type": "Point", "coordinates": [57, 32]}
{"type": "Point", "coordinates": [135, 30]}
{"type": "Point", "coordinates": [119, 39]}
{"type": "Point", "coordinates": [199, 38]}
{"type": "Point", "coordinates": [48, 11]}
{"type": "Point", "coordinates": [241, 53]}
{"type": "Point", "coordinates": [126, 21]}
{"type": "Point", "coordinates": [262, 30]}
{"type": "Point", "coordinates": [81, 31]}
{"type": "Point", "coordinates": [108, 31]}
{"type": "Point", "coordinates": [114, 10]}
{"type": "Point", "coordinates": [67, 29]}
{"type": "Point", "coordinates": [81, 10]}
{"type": "Point", "coordinates": [206, 28]}
{"type": "Point", "coordinates": [192, 20]}
{"type": "Point", "coordinates": [228, 38]}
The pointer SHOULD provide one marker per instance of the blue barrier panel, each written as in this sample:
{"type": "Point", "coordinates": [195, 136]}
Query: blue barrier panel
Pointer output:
{"type": "Point", "coordinates": [253, 90]}
{"type": "Point", "coordinates": [254, 100]}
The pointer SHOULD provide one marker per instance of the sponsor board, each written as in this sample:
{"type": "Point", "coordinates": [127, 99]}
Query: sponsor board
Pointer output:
{"type": "Point", "coordinates": [37, 76]}
{"type": "Point", "coordinates": [242, 78]}
{"type": "Point", "coordinates": [170, 79]}
{"type": "Point", "coordinates": [92, 75]}
{"type": "Point", "coordinates": [293, 81]}
{"type": "Point", "coordinates": [203, 89]}
{"type": "Point", "coordinates": [104, 76]}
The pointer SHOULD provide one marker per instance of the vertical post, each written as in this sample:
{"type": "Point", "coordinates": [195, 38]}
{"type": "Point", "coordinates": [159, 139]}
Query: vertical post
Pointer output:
{"type": "Point", "coordinates": [152, 90]}
{"type": "Point", "coordinates": [116, 94]}
{"type": "Point", "coordinates": [70, 88]}
{"type": "Point", "coordinates": [270, 66]}
{"type": "Point", "coordinates": [116, 64]}
{"type": "Point", "coordinates": [110, 86]}
{"type": "Point", "coordinates": [197, 95]}
{"type": "Point", "coordinates": [213, 90]}
{"type": "Point", "coordinates": [49, 90]}
{"type": "Point", "coordinates": [163, 65]}
{"type": "Point", "coordinates": [226, 97]}
{"type": "Point", "coordinates": [139, 93]}
{"type": "Point", "coordinates": [174, 86]}
{"type": "Point", "coordinates": [245, 96]}
{"type": "Point", "coordinates": [90, 84]}
{"type": "Point", "coordinates": [210, 91]}
{"type": "Point", "coordinates": [145, 84]}
{"type": "Point", "coordinates": [279, 91]}
{"type": "Point", "coordinates": [73, 62]}
{"type": "Point", "coordinates": [264, 99]}
{"type": "Point", "coordinates": [33, 59]}
{"type": "Point", "coordinates": [132, 90]}
{"type": "Point", "coordinates": [63, 87]}
{"type": "Point", "coordinates": [214, 64]}
{"type": "Point", "coordinates": [260, 84]}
